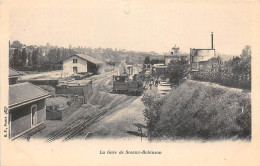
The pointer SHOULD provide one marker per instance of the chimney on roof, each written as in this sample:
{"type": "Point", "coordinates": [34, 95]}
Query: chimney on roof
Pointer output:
{"type": "Point", "coordinates": [212, 40]}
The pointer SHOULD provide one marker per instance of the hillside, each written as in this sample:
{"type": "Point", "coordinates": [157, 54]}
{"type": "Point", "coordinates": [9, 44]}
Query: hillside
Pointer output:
{"type": "Point", "coordinates": [199, 110]}
{"type": "Point", "coordinates": [130, 57]}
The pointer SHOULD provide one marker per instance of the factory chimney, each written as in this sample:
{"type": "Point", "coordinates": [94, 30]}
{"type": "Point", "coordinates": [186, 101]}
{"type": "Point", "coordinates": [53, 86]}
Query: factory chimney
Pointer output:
{"type": "Point", "coordinates": [212, 40]}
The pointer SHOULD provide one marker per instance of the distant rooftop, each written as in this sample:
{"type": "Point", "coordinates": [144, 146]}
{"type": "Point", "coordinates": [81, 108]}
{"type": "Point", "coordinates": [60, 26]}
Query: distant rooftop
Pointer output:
{"type": "Point", "coordinates": [14, 73]}
{"type": "Point", "coordinates": [159, 64]}
{"type": "Point", "coordinates": [161, 67]}
{"type": "Point", "coordinates": [25, 93]}
{"type": "Point", "coordinates": [75, 82]}
{"type": "Point", "coordinates": [89, 58]}
{"type": "Point", "coordinates": [202, 49]}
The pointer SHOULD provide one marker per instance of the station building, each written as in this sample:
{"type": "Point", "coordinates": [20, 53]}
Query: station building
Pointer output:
{"type": "Point", "coordinates": [27, 108]}
{"type": "Point", "coordinates": [81, 63]}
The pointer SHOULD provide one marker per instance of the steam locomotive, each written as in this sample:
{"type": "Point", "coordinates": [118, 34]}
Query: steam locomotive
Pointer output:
{"type": "Point", "coordinates": [122, 84]}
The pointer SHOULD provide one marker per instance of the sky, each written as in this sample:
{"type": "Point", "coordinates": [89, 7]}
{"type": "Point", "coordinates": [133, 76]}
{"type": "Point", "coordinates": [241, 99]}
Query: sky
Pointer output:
{"type": "Point", "coordinates": [134, 25]}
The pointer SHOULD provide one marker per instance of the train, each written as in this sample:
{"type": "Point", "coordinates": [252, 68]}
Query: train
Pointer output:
{"type": "Point", "coordinates": [123, 84]}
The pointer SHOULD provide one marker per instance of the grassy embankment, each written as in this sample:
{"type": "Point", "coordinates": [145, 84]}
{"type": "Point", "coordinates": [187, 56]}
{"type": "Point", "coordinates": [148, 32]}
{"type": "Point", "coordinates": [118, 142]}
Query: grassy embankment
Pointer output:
{"type": "Point", "coordinates": [197, 110]}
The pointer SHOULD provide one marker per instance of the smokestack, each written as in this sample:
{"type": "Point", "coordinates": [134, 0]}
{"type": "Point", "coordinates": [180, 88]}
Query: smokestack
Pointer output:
{"type": "Point", "coordinates": [212, 40]}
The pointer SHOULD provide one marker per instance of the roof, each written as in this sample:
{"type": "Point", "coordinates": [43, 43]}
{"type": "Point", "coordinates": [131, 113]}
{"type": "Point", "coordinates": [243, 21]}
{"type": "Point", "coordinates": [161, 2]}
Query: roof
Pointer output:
{"type": "Point", "coordinates": [14, 73]}
{"type": "Point", "coordinates": [159, 64]}
{"type": "Point", "coordinates": [61, 102]}
{"type": "Point", "coordinates": [76, 82]}
{"type": "Point", "coordinates": [161, 67]}
{"type": "Point", "coordinates": [24, 93]}
{"type": "Point", "coordinates": [88, 58]}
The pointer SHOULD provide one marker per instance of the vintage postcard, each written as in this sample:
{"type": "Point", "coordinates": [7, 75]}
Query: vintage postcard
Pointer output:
{"type": "Point", "coordinates": [126, 82]}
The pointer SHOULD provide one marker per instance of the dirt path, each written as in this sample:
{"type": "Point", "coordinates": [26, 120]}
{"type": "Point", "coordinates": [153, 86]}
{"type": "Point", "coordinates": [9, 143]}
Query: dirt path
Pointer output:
{"type": "Point", "coordinates": [120, 124]}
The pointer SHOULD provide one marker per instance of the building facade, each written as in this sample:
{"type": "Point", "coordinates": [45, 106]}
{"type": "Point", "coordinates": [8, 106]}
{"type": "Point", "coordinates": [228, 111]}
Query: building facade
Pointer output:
{"type": "Point", "coordinates": [174, 55]}
{"type": "Point", "coordinates": [81, 63]}
{"type": "Point", "coordinates": [27, 108]}
{"type": "Point", "coordinates": [203, 60]}
{"type": "Point", "coordinates": [199, 59]}
{"type": "Point", "coordinates": [77, 87]}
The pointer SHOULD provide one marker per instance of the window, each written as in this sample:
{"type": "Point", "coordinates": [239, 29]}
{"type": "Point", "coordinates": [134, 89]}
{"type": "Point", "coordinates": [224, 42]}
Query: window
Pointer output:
{"type": "Point", "coordinates": [75, 61]}
{"type": "Point", "coordinates": [33, 115]}
{"type": "Point", "coordinates": [75, 70]}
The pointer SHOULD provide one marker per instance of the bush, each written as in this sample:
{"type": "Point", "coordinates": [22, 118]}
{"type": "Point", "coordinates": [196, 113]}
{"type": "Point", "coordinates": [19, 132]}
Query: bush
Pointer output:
{"type": "Point", "coordinates": [195, 110]}
{"type": "Point", "coordinates": [236, 73]}
{"type": "Point", "coordinates": [152, 102]}
{"type": "Point", "coordinates": [177, 70]}
{"type": "Point", "coordinates": [226, 79]}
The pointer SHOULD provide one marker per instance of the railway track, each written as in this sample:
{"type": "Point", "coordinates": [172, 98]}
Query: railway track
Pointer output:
{"type": "Point", "coordinates": [100, 106]}
{"type": "Point", "coordinates": [84, 125]}
{"type": "Point", "coordinates": [84, 120]}
{"type": "Point", "coordinates": [57, 134]}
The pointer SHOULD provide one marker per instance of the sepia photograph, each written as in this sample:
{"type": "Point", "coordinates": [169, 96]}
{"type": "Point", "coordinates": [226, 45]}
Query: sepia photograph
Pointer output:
{"type": "Point", "coordinates": [128, 72]}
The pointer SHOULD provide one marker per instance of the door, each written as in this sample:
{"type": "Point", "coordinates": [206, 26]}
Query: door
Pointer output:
{"type": "Point", "coordinates": [75, 70]}
{"type": "Point", "coordinates": [34, 115]}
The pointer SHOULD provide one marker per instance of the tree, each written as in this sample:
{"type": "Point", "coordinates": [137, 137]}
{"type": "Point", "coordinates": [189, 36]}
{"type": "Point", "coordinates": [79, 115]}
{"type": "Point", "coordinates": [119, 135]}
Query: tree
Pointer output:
{"type": "Point", "coordinates": [147, 60]}
{"type": "Point", "coordinates": [177, 70]}
{"type": "Point", "coordinates": [64, 54]}
{"type": "Point", "coordinates": [52, 56]}
{"type": "Point", "coordinates": [241, 65]}
{"type": "Point", "coordinates": [127, 60]}
{"type": "Point", "coordinates": [152, 102]}
{"type": "Point", "coordinates": [40, 57]}
{"type": "Point", "coordinates": [58, 55]}
{"type": "Point", "coordinates": [246, 52]}
{"type": "Point", "coordinates": [29, 59]}
{"type": "Point", "coordinates": [16, 58]}
{"type": "Point", "coordinates": [24, 57]}
{"type": "Point", "coordinates": [34, 58]}
{"type": "Point", "coordinates": [31, 47]}
{"type": "Point", "coordinates": [17, 44]}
